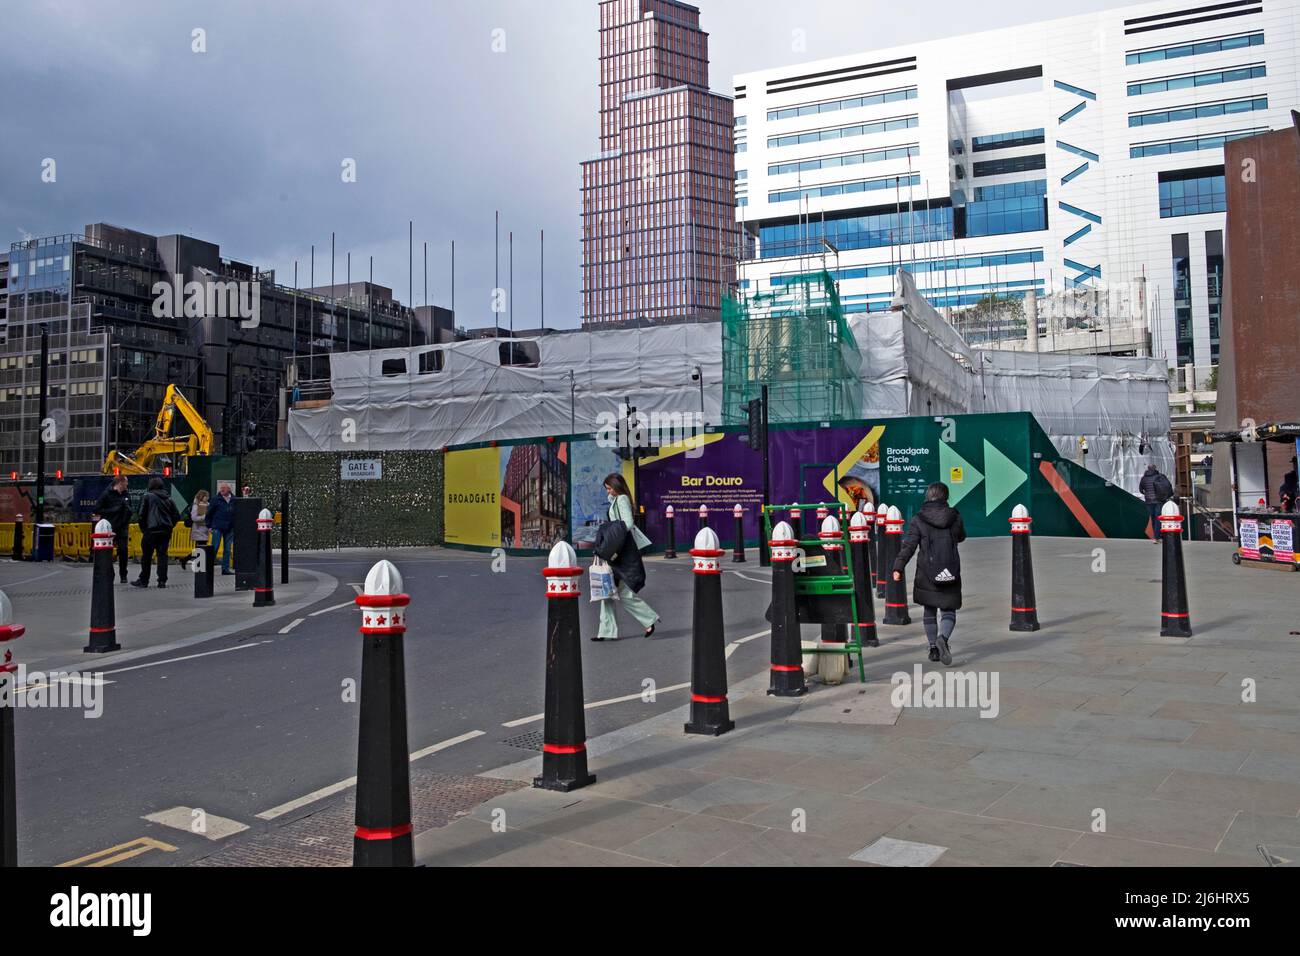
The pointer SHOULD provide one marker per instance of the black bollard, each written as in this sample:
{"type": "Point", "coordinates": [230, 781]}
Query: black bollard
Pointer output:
{"type": "Point", "coordinates": [264, 589]}
{"type": "Point", "coordinates": [738, 552]}
{"type": "Point", "coordinates": [203, 570]}
{"type": "Point", "coordinates": [1024, 608]}
{"type": "Point", "coordinates": [882, 572]}
{"type": "Point", "coordinates": [9, 631]}
{"type": "Point", "coordinates": [103, 618]}
{"type": "Point", "coordinates": [787, 678]}
{"type": "Point", "coordinates": [564, 735]}
{"type": "Point", "coordinates": [18, 538]}
{"type": "Point", "coordinates": [710, 712]}
{"type": "Point", "coordinates": [832, 538]}
{"type": "Point", "coordinates": [383, 834]}
{"type": "Point", "coordinates": [895, 591]}
{"type": "Point", "coordinates": [1175, 615]}
{"type": "Point", "coordinates": [670, 526]}
{"type": "Point", "coordinates": [860, 548]}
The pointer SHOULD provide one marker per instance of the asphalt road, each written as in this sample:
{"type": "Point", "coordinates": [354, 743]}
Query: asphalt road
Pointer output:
{"type": "Point", "coordinates": [246, 723]}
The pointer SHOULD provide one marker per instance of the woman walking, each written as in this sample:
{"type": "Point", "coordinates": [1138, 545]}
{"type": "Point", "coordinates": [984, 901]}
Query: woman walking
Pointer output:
{"type": "Point", "coordinates": [628, 569]}
{"type": "Point", "coordinates": [937, 530]}
{"type": "Point", "coordinates": [199, 519]}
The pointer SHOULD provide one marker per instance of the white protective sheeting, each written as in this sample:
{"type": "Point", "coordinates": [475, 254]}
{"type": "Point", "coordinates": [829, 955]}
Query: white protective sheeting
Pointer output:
{"type": "Point", "coordinates": [578, 385]}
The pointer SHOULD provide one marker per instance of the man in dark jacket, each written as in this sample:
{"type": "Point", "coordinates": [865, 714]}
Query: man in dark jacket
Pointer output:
{"type": "Point", "coordinates": [936, 530]}
{"type": "Point", "coordinates": [158, 515]}
{"type": "Point", "coordinates": [1289, 493]}
{"type": "Point", "coordinates": [1155, 490]}
{"type": "Point", "coordinates": [221, 519]}
{"type": "Point", "coordinates": [114, 506]}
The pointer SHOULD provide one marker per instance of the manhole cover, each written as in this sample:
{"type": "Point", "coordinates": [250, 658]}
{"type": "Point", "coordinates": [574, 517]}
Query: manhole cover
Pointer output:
{"type": "Point", "coordinates": [529, 741]}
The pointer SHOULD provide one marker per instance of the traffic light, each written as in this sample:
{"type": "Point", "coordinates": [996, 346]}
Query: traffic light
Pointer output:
{"type": "Point", "coordinates": [754, 415]}
{"type": "Point", "coordinates": [58, 474]}
{"type": "Point", "coordinates": [250, 435]}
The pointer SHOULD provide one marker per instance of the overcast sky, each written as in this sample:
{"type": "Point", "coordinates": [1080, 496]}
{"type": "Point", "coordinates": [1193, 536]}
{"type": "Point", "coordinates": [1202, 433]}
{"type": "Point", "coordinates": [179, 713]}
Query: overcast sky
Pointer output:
{"type": "Point", "coordinates": [243, 145]}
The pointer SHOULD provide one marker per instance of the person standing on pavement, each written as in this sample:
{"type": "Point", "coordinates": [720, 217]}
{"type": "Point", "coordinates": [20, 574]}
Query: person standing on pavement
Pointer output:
{"type": "Point", "coordinates": [199, 519]}
{"type": "Point", "coordinates": [935, 531]}
{"type": "Point", "coordinates": [221, 520]}
{"type": "Point", "coordinates": [1155, 490]}
{"type": "Point", "coordinates": [158, 516]}
{"type": "Point", "coordinates": [114, 506]}
{"type": "Point", "coordinates": [1290, 490]}
{"type": "Point", "coordinates": [629, 571]}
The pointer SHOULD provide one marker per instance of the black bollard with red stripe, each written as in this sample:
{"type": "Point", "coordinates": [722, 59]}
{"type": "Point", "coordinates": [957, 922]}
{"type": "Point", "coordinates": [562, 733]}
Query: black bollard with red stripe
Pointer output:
{"type": "Point", "coordinates": [895, 591]}
{"type": "Point", "coordinates": [18, 538]}
{"type": "Point", "coordinates": [738, 551]}
{"type": "Point", "coordinates": [670, 528]}
{"type": "Point", "coordinates": [264, 589]}
{"type": "Point", "coordinates": [787, 678]}
{"type": "Point", "coordinates": [103, 624]}
{"type": "Point", "coordinates": [201, 560]}
{"type": "Point", "coordinates": [9, 631]}
{"type": "Point", "coordinates": [882, 572]}
{"type": "Point", "coordinates": [1175, 615]}
{"type": "Point", "coordinates": [860, 548]}
{"type": "Point", "coordinates": [383, 835]}
{"type": "Point", "coordinates": [1024, 607]}
{"type": "Point", "coordinates": [832, 539]}
{"type": "Point", "coordinates": [710, 713]}
{"type": "Point", "coordinates": [564, 733]}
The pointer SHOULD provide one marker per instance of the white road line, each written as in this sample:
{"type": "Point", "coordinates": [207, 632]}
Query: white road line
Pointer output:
{"type": "Point", "coordinates": [334, 788]}
{"type": "Point", "coordinates": [77, 678]}
{"type": "Point", "coordinates": [39, 577]}
{"type": "Point", "coordinates": [599, 703]}
{"type": "Point", "coordinates": [187, 657]}
{"type": "Point", "coordinates": [212, 827]}
{"type": "Point", "coordinates": [752, 637]}
{"type": "Point", "coordinates": [748, 578]}
{"type": "Point", "coordinates": [326, 610]}
{"type": "Point", "coordinates": [355, 586]}
{"type": "Point", "coordinates": [292, 624]}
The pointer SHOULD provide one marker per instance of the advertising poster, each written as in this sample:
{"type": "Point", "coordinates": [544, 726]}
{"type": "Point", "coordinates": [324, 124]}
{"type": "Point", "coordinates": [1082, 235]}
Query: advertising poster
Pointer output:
{"type": "Point", "coordinates": [1249, 531]}
{"type": "Point", "coordinates": [1283, 547]}
{"type": "Point", "coordinates": [590, 463]}
{"type": "Point", "coordinates": [513, 496]}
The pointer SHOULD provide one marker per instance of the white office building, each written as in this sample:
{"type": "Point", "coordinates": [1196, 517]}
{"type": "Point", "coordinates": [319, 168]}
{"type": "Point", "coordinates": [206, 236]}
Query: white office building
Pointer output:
{"type": "Point", "coordinates": [1079, 158]}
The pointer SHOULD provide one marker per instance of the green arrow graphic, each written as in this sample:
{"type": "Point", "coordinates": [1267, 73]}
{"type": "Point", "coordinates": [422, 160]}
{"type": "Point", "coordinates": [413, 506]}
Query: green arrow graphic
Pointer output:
{"type": "Point", "coordinates": [1004, 477]}
{"type": "Point", "coordinates": [948, 460]}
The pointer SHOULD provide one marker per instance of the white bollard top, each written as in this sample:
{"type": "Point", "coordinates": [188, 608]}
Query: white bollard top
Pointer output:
{"type": "Point", "coordinates": [103, 527]}
{"type": "Point", "coordinates": [668, 512]}
{"type": "Point", "coordinates": [704, 509]}
{"type": "Point", "coordinates": [562, 556]}
{"type": "Point", "coordinates": [831, 525]}
{"type": "Point", "coordinates": [265, 515]}
{"type": "Point", "coordinates": [738, 511]}
{"type": "Point", "coordinates": [859, 520]}
{"type": "Point", "coordinates": [6, 610]}
{"type": "Point", "coordinates": [706, 540]}
{"type": "Point", "coordinates": [894, 515]}
{"type": "Point", "coordinates": [1170, 510]}
{"type": "Point", "coordinates": [383, 579]}
{"type": "Point", "coordinates": [882, 508]}
{"type": "Point", "coordinates": [783, 532]}
{"type": "Point", "coordinates": [1019, 511]}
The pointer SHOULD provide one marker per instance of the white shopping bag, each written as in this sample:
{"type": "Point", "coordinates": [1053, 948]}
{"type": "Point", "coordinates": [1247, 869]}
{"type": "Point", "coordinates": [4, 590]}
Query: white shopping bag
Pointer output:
{"type": "Point", "coordinates": [603, 586]}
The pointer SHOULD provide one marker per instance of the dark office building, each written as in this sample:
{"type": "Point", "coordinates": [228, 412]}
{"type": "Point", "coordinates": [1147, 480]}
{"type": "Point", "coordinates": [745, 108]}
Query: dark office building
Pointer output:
{"type": "Point", "coordinates": [116, 340]}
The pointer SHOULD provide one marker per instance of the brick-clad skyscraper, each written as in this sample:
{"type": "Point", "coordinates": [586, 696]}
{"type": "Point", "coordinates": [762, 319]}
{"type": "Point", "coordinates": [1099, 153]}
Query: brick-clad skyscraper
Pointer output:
{"type": "Point", "coordinates": [658, 204]}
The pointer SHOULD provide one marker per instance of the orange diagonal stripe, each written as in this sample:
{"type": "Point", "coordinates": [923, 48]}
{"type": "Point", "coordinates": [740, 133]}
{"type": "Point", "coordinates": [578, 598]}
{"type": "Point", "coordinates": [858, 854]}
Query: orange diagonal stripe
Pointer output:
{"type": "Point", "coordinates": [1074, 504]}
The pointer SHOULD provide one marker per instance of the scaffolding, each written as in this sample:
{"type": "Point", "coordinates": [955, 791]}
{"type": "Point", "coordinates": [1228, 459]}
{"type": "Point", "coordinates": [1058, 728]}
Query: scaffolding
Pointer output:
{"type": "Point", "coordinates": [795, 341]}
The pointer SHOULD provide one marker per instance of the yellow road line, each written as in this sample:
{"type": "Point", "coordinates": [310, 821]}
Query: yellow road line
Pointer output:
{"type": "Point", "coordinates": [123, 851]}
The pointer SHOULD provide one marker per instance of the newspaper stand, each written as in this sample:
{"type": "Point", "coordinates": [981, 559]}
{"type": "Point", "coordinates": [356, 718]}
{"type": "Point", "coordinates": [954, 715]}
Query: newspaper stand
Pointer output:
{"type": "Point", "coordinates": [1265, 534]}
{"type": "Point", "coordinates": [823, 595]}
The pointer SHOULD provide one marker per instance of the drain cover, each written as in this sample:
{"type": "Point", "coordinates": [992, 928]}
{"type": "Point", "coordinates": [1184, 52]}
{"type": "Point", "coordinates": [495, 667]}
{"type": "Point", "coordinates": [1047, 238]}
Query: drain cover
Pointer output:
{"type": "Point", "coordinates": [532, 740]}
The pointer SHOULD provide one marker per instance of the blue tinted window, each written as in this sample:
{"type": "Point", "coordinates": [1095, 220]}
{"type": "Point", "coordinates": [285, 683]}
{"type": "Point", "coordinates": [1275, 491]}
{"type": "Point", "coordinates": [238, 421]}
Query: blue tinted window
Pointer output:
{"type": "Point", "coordinates": [1196, 49]}
{"type": "Point", "coordinates": [1012, 164]}
{"type": "Point", "coordinates": [1192, 192]}
{"type": "Point", "coordinates": [842, 132]}
{"type": "Point", "coordinates": [1197, 79]}
{"type": "Point", "coordinates": [834, 106]}
{"type": "Point", "coordinates": [1024, 137]}
{"type": "Point", "coordinates": [1188, 145]}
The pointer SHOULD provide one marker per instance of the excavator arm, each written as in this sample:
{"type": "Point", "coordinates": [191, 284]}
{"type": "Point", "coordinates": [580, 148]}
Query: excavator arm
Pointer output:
{"type": "Point", "coordinates": [141, 462]}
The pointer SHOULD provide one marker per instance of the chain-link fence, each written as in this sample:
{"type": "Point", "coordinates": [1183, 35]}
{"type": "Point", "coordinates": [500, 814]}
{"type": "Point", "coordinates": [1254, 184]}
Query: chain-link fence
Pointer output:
{"type": "Point", "coordinates": [402, 506]}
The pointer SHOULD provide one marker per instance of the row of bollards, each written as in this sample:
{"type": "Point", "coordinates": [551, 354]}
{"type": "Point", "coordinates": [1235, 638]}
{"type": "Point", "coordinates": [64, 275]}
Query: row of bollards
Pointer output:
{"type": "Point", "coordinates": [383, 819]}
{"type": "Point", "coordinates": [103, 616]}
{"type": "Point", "coordinates": [670, 531]}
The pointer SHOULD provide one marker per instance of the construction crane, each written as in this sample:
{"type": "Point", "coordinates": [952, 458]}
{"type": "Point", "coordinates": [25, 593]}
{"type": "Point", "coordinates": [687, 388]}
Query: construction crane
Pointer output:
{"type": "Point", "coordinates": [163, 444]}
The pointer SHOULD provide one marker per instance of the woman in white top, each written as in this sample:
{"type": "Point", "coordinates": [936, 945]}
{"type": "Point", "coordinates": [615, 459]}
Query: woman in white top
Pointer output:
{"type": "Point", "coordinates": [629, 572]}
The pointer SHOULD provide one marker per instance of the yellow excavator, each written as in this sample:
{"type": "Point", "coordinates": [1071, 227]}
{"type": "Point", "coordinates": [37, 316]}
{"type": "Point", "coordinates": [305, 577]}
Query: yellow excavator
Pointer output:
{"type": "Point", "coordinates": [163, 445]}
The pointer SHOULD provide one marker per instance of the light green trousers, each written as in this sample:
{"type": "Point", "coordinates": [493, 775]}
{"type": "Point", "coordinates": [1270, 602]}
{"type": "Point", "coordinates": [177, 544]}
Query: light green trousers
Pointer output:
{"type": "Point", "coordinates": [643, 613]}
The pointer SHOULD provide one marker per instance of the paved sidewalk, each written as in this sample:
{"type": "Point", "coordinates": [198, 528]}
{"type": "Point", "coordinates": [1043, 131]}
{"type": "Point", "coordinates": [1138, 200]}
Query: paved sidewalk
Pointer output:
{"type": "Point", "coordinates": [52, 600]}
{"type": "Point", "coordinates": [1111, 746]}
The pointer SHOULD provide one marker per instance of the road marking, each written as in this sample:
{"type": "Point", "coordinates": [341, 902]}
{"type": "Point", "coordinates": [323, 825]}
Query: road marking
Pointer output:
{"type": "Point", "coordinates": [326, 610]}
{"type": "Point", "coordinates": [123, 851]}
{"type": "Point", "coordinates": [355, 586]}
{"type": "Point", "coordinates": [599, 703]}
{"type": "Point", "coordinates": [70, 679]}
{"type": "Point", "coordinates": [187, 657]}
{"type": "Point", "coordinates": [292, 624]}
{"type": "Point", "coordinates": [334, 788]}
{"type": "Point", "coordinates": [748, 578]}
{"type": "Point", "coordinates": [182, 818]}
{"type": "Point", "coordinates": [39, 577]}
{"type": "Point", "coordinates": [752, 637]}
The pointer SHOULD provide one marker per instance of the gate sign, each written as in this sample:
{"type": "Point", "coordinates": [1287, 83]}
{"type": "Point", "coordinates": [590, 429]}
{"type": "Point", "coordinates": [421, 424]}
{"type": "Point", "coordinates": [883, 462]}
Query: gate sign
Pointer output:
{"type": "Point", "coordinates": [361, 469]}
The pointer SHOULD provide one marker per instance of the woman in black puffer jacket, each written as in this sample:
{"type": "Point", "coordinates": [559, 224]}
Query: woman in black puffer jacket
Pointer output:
{"type": "Point", "coordinates": [935, 531]}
